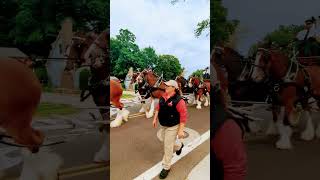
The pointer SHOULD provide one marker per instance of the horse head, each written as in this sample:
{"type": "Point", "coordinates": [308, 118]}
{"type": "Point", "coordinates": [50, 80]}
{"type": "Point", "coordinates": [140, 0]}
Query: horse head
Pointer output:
{"type": "Point", "coordinates": [97, 54]}
{"type": "Point", "coordinates": [194, 82]}
{"type": "Point", "coordinates": [261, 65]}
{"type": "Point", "coordinates": [134, 77]}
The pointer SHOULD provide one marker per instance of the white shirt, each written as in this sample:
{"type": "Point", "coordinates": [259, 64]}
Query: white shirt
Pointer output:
{"type": "Point", "coordinates": [314, 32]}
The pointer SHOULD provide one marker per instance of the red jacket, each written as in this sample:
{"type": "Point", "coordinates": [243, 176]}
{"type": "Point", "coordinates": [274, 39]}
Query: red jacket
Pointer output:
{"type": "Point", "coordinates": [229, 148]}
{"type": "Point", "coordinates": [181, 108]}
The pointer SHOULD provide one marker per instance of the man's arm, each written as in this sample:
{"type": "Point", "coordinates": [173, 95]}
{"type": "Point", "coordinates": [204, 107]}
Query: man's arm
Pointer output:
{"type": "Point", "coordinates": [182, 109]}
{"type": "Point", "coordinates": [230, 149]}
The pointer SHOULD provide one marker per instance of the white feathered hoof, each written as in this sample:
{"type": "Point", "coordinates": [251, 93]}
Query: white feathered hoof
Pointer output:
{"type": "Point", "coordinates": [118, 121]}
{"type": "Point", "coordinates": [308, 134]}
{"type": "Point", "coordinates": [102, 155]}
{"type": "Point", "coordinates": [198, 105]}
{"type": "Point", "coordinates": [125, 114]}
{"type": "Point", "coordinates": [142, 109]}
{"type": "Point", "coordinates": [285, 134]}
{"type": "Point", "coordinates": [149, 114]}
{"type": "Point", "coordinates": [284, 144]}
{"type": "Point", "coordinates": [36, 166]}
{"type": "Point", "coordinates": [206, 104]}
{"type": "Point", "coordinates": [194, 101]}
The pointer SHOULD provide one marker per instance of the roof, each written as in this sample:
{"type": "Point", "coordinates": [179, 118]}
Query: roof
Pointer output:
{"type": "Point", "coordinates": [11, 52]}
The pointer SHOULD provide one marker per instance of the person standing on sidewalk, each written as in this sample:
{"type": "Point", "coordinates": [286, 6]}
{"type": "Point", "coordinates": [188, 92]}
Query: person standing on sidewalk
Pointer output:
{"type": "Point", "coordinates": [172, 115]}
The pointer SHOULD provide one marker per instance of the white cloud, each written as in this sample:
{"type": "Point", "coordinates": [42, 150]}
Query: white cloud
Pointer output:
{"type": "Point", "coordinates": [166, 27]}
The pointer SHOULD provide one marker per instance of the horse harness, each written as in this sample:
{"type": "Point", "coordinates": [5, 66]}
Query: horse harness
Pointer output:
{"type": "Point", "coordinates": [150, 89]}
{"type": "Point", "coordinates": [288, 80]}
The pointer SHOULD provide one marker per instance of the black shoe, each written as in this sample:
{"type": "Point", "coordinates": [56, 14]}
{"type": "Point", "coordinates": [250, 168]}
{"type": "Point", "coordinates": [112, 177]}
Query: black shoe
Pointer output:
{"type": "Point", "coordinates": [164, 173]}
{"type": "Point", "coordinates": [179, 151]}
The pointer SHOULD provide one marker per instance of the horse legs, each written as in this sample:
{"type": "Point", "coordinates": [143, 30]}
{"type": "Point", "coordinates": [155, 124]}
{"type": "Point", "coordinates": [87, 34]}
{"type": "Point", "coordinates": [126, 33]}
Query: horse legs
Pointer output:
{"type": "Point", "coordinates": [285, 131]}
{"type": "Point", "coordinates": [206, 96]}
{"type": "Point", "coordinates": [118, 121]}
{"type": "Point", "coordinates": [272, 125]}
{"type": "Point", "coordinates": [198, 101]}
{"type": "Point", "coordinates": [151, 111]}
{"type": "Point", "coordinates": [194, 99]}
{"type": "Point", "coordinates": [308, 134]}
{"type": "Point", "coordinates": [102, 155]}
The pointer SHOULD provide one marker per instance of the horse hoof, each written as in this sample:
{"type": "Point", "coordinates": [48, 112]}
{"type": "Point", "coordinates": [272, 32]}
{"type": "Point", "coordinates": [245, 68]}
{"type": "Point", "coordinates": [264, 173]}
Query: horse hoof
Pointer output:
{"type": "Point", "coordinates": [142, 110]}
{"type": "Point", "coordinates": [307, 135]}
{"type": "Point", "coordinates": [206, 104]}
{"type": "Point", "coordinates": [149, 115]}
{"type": "Point", "coordinates": [117, 122]}
{"type": "Point", "coordinates": [283, 145]}
{"type": "Point", "coordinates": [198, 107]}
{"type": "Point", "coordinates": [125, 115]}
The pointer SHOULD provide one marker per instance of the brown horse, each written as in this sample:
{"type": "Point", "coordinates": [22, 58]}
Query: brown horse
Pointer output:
{"type": "Point", "coordinates": [17, 104]}
{"type": "Point", "coordinates": [91, 50]}
{"type": "Point", "coordinates": [201, 90]}
{"type": "Point", "coordinates": [183, 85]}
{"type": "Point", "coordinates": [115, 96]}
{"type": "Point", "coordinates": [154, 88]}
{"type": "Point", "coordinates": [237, 70]}
{"type": "Point", "coordinates": [293, 84]}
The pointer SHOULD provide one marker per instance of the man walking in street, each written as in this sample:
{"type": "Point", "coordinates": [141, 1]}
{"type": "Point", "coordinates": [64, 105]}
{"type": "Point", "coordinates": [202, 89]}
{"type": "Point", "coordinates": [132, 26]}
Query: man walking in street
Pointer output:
{"type": "Point", "coordinates": [172, 115]}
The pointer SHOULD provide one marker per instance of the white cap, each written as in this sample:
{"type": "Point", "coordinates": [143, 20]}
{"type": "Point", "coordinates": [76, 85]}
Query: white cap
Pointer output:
{"type": "Point", "coordinates": [172, 83]}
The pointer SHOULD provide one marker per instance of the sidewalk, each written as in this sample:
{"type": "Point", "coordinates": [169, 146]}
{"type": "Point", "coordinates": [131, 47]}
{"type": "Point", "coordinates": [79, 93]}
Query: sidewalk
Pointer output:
{"type": "Point", "coordinates": [201, 170]}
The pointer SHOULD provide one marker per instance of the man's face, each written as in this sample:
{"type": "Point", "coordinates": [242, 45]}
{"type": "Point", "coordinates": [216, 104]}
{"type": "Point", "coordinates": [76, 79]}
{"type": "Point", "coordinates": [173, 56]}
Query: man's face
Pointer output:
{"type": "Point", "coordinates": [169, 89]}
{"type": "Point", "coordinates": [308, 25]}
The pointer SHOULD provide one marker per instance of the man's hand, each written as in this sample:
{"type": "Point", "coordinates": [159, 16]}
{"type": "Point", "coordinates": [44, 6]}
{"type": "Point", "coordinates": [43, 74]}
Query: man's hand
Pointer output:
{"type": "Point", "coordinates": [154, 123]}
{"type": "Point", "coordinates": [180, 134]}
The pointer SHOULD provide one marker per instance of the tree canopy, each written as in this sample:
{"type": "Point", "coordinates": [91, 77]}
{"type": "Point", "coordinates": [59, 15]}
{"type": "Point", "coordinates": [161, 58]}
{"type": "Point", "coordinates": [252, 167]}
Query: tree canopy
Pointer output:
{"type": "Point", "coordinates": [125, 53]}
{"type": "Point", "coordinates": [197, 73]}
{"type": "Point", "coordinates": [220, 27]}
{"type": "Point", "coordinates": [280, 38]}
{"type": "Point", "coordinates": [33, 25]}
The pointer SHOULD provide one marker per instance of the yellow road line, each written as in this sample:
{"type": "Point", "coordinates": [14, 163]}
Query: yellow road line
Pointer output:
{"type": "Point", "coordinates": [79, 170]}
{"type": "Point", "coordinates": [134, 115]}
{"type": "Point", "coordinates": [82, 170]}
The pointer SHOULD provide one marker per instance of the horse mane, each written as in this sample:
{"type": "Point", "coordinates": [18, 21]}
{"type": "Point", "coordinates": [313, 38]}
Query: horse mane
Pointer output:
{"type": "Point", "coordinates": [233, 52]}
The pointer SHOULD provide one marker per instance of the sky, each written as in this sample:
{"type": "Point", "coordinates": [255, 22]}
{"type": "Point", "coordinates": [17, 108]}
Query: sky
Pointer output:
{"type": "Point", "coordinates": [168, 28]}
{"type": "Point", "coordinates": [258, 17]}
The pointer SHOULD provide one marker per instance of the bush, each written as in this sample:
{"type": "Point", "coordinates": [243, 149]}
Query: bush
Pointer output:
{"type": "Point", "coordinates": [42, 75]}
{"type": "Point", "coordinates": [84, 79]}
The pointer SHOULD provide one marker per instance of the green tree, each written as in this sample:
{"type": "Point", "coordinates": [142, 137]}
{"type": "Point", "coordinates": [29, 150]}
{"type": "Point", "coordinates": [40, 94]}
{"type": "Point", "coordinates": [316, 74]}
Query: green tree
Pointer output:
{"type": "Point", "coordinates": [33, 25]}
{"type": "Point", "coordinates": [169, 66]}
{"type": "Point", "coordinates": [125, 53]}
{"type": "Point", "coordinates": [281, 38]}
{"type": "Point", "coordinates": [149, 57]}
{"type": "Point", "coordinates": [220, 27]}
{"type": "Point", "coordinates": [283, 35]}
{"type": "Point", "coordinates": [197, 73]}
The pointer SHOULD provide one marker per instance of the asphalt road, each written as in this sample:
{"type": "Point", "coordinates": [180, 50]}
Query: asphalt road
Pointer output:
{"type": "Point", "coordinates": [77, 153]}
{"type": "Point", "coordinates": [135, 147]}
{"type": "Point", "coordinates": [266, 162]}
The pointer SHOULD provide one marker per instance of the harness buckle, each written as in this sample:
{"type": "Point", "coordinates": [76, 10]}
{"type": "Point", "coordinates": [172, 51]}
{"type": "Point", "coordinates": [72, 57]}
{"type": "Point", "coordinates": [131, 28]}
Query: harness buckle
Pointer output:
{"type": "Point", "coordinates": [276, 88]}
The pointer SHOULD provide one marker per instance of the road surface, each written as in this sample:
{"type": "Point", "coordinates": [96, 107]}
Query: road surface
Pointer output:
{"type": "Point", "coordinates": [135, 147]}
{"type": "Point", "coordinates": [265, 162]}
